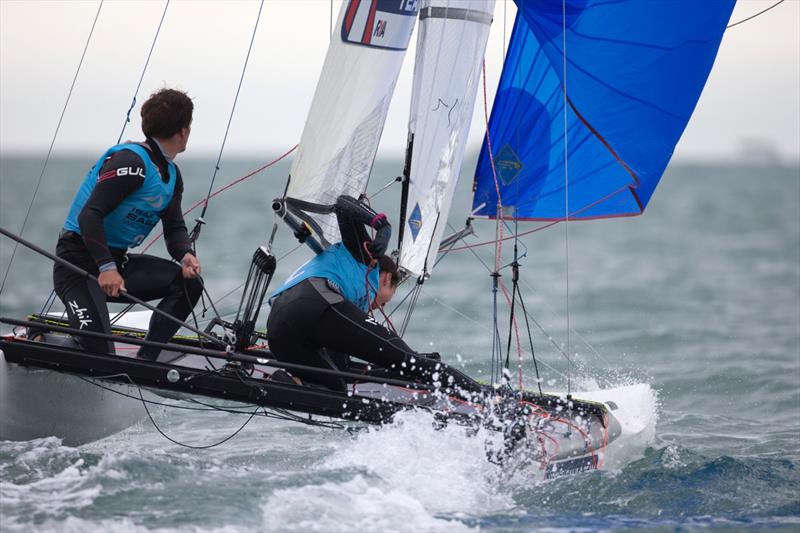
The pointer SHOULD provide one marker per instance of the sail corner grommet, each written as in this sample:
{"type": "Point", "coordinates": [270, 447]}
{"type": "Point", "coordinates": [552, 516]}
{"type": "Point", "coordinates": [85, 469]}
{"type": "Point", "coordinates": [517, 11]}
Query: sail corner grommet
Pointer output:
{"type": "Point", "coordinates": [173, 376]}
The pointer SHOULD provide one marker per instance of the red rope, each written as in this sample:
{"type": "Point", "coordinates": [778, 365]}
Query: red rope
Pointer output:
{"type": "Point", "coordinates": [545, 414]}
{"type": "Point", "coordinates": [387, 320]}
{"type": "Point", "coordinates": [499, 230]}
{"type": "Point", "coordinates": [556, 221]}
{"type": "Point", "coordinates": [226, 187]}
{"type": "Point", "coordinates": [516, 335]}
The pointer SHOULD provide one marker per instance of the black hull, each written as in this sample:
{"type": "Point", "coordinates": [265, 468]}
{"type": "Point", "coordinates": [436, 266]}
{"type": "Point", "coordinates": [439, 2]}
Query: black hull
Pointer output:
{"type": "Point", "coordinates": [559, 435]}
{"type": "Point", "coordinates": [228, 386]}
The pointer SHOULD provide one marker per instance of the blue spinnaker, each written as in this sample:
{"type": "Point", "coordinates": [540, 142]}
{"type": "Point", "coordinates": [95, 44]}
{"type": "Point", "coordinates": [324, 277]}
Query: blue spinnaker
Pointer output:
{"type": "Point", "coordinates": [635, 70]}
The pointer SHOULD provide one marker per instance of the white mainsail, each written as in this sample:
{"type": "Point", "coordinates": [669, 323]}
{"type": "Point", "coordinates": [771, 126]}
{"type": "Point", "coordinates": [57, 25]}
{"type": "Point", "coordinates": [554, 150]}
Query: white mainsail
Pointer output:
{"type": "Point", "coordinates": [346, 119]}
{"type": "Point", "coordinates": [451, 42]}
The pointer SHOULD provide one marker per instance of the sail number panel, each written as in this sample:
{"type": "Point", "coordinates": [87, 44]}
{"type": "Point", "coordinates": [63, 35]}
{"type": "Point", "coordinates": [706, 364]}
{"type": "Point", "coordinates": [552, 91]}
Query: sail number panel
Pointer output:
{"type": "Point", "coordinates": [379, 23]}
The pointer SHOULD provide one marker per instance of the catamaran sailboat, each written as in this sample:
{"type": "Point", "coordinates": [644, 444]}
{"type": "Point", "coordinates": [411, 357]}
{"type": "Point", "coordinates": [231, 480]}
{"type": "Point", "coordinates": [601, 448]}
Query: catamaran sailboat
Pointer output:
{"type": "Point", "coordinates": [592, 100]}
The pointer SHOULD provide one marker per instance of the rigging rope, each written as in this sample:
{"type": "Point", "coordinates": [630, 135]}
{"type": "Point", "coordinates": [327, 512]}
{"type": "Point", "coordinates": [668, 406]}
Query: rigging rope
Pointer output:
{"type": "Point", "coordinates": [232, 291]}
{"type": "Point", "coordinates": [276, 413]}
{"type": "Point", "coordinates": [224, 188]}
{"type": "Point", "coordinates": [574, 332]}
{"type": "Point", "coordinates": [201, 447]}
{"type": "Point", "coordinates": [512, 322]}
{"type": "Point", "coordinates": [146, 63]}
{"type": "Point", "coordinates": [515, 280]}
{"type": "Point", "coordinates": [566, 185]}
{"type": "Point", "coordinates": [484, 243]}
{"type": "Point", "coordinates": [530, 338]}
{"type": "Point", "coordinates": [505, 17]}
{"type": "Point", "coordinates": [52, 143]}
{"type": "Point", "coordinates": [776, 4]}
{"type": "Point", "coordinates": [196, 231]}
{"type": "Point", "coordinates": [392, 182]}
{"type": "Point", "coordinates": [497, 343]}
{"type": "Point", "coordinates": [527, 318]}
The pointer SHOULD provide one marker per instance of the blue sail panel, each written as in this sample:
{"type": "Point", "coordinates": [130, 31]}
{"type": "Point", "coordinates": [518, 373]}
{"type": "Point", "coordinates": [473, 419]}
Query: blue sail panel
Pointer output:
{"type": "Point", "coordinates": [634, 72]}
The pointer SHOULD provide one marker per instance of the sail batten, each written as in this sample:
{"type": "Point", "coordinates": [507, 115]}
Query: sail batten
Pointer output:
{"type": "Point", "coordinates": [635, 70]}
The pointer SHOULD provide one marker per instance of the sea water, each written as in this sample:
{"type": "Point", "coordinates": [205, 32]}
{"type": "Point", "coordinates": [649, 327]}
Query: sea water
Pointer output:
{"type": "Point", "coordinates": [698, 299]}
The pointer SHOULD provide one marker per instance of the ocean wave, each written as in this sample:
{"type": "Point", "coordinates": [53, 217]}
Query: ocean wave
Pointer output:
{"type": "Point", "coordinates": [678, 484]}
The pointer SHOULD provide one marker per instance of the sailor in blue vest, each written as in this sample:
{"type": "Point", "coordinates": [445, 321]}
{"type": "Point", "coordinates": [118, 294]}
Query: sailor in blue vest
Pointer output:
{"type": "Point", "coordinates": [127, 192]}
{"type": "Point", "coordinates": [320, 315]}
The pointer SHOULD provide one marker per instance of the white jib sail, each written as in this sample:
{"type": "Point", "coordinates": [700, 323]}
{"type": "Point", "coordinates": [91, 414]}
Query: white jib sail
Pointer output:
{"type": "Point", "coordinates": [347, 115]}
{"type": "Point", "coordinates": [451, 42]}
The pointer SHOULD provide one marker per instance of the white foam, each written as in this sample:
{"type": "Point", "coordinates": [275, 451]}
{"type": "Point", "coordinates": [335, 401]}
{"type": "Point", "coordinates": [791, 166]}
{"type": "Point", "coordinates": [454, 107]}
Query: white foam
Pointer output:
{"type": "Point", "coordinates": [28, 453]}
{"type": "Point", "coordinates": [59, 482]}
{"type": "Point", "coordinates": [73, 524]}
{"type": "Point", "coordinates": [66, 490]}
{"type": "Point", "coordinates": [445, 470]}
{"type": "Point", "coordinates": [360, 504]}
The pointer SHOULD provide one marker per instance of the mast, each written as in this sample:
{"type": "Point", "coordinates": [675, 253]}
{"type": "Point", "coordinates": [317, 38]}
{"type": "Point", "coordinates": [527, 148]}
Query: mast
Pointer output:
{"type": "Point", "coordinates": [401, 227]}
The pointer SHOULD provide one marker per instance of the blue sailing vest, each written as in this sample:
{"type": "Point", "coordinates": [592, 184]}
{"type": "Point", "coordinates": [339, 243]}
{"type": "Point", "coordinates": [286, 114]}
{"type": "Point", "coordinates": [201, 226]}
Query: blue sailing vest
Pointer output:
{"type": "Point", "coordinates": [133, 219]}
{"type": "Point", "coordinates": [339, 267]}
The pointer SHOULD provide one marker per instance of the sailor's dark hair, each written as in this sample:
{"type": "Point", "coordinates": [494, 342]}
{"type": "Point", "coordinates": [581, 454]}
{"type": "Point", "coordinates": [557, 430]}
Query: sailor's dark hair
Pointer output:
{"type": "Point", "coordinates": [166, 112]}
{"type": "Point", "coordinates": [387, 265]}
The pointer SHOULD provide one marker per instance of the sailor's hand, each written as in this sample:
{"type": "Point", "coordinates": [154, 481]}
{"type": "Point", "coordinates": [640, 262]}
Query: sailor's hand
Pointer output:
{"type": "Point", "coordinates": [377, 247]}
{"type": "Point", "coordinates": [111, 282]}
{"type": "Point", "coordinates": [191, 266]}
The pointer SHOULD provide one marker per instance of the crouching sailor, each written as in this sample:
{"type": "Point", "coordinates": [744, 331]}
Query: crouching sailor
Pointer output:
{"type": "Point", "coordinates": [130, 188]}
{"type": "Point", "coordinates": [319, 316]}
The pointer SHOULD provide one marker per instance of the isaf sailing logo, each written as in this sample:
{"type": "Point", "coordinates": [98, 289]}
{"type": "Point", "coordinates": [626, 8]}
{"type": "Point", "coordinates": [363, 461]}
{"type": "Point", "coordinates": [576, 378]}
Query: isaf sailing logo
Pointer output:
{"type": "Point", "coordinates": [81, 313]}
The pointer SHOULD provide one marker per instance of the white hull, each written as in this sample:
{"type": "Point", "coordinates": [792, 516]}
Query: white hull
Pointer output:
{"type": "Point", "coordinates": [635, 408]}
{"type": "Point", "coordinates": [40, 403]}
{"type": "Point", "coordinates": [565, 450]}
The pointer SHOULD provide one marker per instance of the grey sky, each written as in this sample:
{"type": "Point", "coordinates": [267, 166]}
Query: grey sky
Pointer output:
{"type": "Point", "coordinates": [752, 98]}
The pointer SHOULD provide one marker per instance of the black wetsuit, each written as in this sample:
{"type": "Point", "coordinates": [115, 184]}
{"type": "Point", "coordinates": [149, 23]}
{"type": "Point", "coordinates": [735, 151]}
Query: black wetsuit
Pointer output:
{"type": "Point", "coordinates": [312, 324]}
{"type": "Point", "coordinates": [146, 277]}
